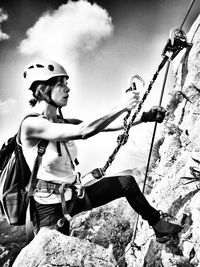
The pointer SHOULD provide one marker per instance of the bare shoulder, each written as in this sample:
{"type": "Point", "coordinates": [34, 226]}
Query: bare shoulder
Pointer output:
{"type": "Point", "coordinates": [29, 126]}
{"type": "Point", "coordinates": [42, 128]}
{"type": "Point", "coordinates": [32, 126]}
{"type": "Point", "coordinates": [34, 122]}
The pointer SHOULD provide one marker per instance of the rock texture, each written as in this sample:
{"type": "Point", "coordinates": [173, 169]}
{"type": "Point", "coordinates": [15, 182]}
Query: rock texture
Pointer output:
{"type": "Point", "coordinates": [50, 248]}
{"type": "Point", "coordinates": [179, 156]}
{"type": "Point", "coordinates": [12, 240]}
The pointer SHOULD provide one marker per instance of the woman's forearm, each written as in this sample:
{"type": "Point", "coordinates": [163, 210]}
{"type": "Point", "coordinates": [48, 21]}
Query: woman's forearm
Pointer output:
{"type": "Point", "coordinates": [100, 124]}
{"type": "Point", "coordinates": [112, 128]}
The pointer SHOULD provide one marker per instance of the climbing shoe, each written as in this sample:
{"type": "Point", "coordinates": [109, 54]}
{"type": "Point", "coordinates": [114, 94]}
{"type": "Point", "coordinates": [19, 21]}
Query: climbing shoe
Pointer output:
{"type": "Point", "coordinates": [164, 230]}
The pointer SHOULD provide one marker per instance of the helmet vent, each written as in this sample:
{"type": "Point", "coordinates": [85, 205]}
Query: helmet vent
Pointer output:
{"type": "Point", "coordinates": [51, 67]}
{"type": "Point", "coordinates": [25, 74]}
{"type": "Point", "coordinates": [39, 66]}
{"type": "Point", "coordinates": [31, 67]}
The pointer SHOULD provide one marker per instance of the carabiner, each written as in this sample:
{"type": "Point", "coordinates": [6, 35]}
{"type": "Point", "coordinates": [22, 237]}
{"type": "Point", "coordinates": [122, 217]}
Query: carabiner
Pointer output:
{"type": "Point", "coordinates": [132, 82]}
{"type": "Point", "coordinates": [177, 34]}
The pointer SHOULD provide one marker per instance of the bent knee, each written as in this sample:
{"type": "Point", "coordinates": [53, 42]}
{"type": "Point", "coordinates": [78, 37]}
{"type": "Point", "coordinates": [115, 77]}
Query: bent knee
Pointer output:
{"type": "Point", "coordinates": [127, 181]}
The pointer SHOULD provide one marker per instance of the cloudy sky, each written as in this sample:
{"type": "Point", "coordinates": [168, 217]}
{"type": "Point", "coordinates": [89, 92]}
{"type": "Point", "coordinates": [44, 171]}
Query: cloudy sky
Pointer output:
{"type": "Point", "coordinates": [101, 44]}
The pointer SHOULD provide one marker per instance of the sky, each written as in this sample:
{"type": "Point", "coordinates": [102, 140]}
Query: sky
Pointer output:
{"type": "Point", "coordinates": [101, 44]}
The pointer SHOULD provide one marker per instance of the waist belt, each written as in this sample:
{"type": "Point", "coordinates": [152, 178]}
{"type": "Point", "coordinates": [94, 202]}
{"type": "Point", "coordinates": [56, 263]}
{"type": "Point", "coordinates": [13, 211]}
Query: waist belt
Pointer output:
{"type": "Point", "coordinates": [51, 188]}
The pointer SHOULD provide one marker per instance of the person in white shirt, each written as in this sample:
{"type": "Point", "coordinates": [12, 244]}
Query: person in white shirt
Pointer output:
{"type": "Point", "coordinates": [48, 82]}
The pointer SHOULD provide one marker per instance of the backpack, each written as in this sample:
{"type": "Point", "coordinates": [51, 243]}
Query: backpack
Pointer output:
{"type": "Point", "coordinates": [15, 176]}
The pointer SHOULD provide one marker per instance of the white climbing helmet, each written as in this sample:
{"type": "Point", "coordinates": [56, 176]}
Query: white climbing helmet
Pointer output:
{"type": "Point", "coordinates": [42, 70]}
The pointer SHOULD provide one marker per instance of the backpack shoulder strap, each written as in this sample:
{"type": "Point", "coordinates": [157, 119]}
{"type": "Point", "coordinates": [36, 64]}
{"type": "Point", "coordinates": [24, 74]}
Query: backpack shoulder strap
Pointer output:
{"type": "Point", "coordinates": [41, 150]}
{"type": "Point", "coordinates": [29, 225]}
{"type": "Point", "coordinates": [69, 121]}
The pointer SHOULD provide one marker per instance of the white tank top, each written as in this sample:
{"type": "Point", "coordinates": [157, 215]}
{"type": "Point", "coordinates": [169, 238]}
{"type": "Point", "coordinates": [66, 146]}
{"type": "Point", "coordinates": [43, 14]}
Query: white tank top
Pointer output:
{"type": "Point", "coordinates": [53, 168]}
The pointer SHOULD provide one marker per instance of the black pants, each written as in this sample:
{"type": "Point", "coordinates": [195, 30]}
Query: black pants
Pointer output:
{"type": "Point", "coordinates": [100, 193]}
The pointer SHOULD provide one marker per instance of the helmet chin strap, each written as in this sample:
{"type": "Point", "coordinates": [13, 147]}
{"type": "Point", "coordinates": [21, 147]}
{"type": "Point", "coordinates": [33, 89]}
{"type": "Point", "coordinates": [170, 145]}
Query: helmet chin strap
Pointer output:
{"type": "Point", "coordinates": [51, 102]}
{"type": "Point", "coordinates": [60, 112]}
{"type": "Point", "coordinates": [48, 99]}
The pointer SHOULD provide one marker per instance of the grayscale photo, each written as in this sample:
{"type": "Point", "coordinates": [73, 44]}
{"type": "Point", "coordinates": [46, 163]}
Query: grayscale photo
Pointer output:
{"type": "Point", "coordinates": [100, 133]}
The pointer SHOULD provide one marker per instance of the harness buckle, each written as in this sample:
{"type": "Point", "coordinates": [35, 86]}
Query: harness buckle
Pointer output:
{"type": "Point", "coordinates": [80, 190]}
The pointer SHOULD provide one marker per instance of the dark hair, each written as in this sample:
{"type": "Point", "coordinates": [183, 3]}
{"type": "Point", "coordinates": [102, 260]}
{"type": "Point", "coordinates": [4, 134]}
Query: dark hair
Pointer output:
{"type": "Point", "coordinates": [42, 90]}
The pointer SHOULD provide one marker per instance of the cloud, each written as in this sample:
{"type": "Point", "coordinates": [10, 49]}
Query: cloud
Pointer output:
{"type": "Point", "coordinates": [7, 105]}
{"type": "Point", "coordinates": [3, 17]}
{"type": "Point", "coordinates": [72, 29]}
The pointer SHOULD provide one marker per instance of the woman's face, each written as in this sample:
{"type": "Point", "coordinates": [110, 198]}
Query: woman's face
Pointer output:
{"type": "Point", "coordinates": [60, 92]}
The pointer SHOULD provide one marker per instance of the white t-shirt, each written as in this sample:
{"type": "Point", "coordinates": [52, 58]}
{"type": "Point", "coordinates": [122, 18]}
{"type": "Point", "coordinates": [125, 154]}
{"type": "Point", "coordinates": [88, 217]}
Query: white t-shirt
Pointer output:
{"type": "Point", "coordinates": [53, 168]}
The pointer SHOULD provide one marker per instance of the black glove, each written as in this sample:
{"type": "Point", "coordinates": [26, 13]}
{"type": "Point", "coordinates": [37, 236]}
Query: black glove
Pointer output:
{"type": "Point", "coordinates": [154, 114]}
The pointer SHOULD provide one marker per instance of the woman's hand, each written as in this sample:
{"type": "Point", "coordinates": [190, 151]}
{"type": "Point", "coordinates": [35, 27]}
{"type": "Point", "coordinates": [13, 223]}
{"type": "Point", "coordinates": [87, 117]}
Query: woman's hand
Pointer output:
{"type": "Point", "coordinates": [154, 114]}
{"type": "Point", "coordinates": [130, 99]}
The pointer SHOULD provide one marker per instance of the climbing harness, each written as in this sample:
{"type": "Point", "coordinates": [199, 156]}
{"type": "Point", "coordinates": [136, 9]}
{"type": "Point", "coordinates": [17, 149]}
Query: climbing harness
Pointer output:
{"type": "Point", "coordinates": [77, 189]}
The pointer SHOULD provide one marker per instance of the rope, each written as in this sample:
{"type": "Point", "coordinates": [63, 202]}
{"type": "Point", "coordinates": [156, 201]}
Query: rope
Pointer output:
{"type": "Point", "coordinates": [152, 143]}
{"type": "Point", "coordinates": [123, 138]}
{"type": "Point", "coordinates": [188, 11]}
{"type": "Point", "coordinates": [132, 243]}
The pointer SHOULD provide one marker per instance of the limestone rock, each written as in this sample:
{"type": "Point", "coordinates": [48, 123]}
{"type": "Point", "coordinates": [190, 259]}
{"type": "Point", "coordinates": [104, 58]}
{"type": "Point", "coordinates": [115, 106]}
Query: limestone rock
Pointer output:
{"type": "Point", "coordinates": [51, 248]}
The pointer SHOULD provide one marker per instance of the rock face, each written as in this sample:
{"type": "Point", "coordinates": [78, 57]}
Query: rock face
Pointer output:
{"type": "Point", "coordinates": [179, 157]}
{"type": "Point", "coordinates": [12, 240]}
{"type": "Point", "coordinates": [50, 248]}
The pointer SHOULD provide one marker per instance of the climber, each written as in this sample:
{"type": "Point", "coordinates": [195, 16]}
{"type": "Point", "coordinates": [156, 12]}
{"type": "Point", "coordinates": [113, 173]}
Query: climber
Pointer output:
{"type": "Point", "coordinates": [48, 82]}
